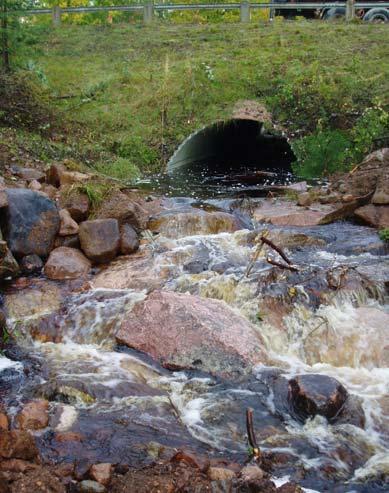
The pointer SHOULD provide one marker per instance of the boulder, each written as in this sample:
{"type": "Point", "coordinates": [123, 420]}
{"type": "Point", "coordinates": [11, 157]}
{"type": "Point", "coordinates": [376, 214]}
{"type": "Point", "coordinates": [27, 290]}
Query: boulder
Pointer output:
{"type": "Point", "coordinates": [185, 331]}
{"type": "Point", "coordinates": [119, 206]}
{"type": "Point", "coordinates": [289, 214]}
{"type": "Point", "coordinates": [66, 263]}
{"type": "Point", "coordinates": [311, 395]}
{"type": "Point", "coordinates": [374, 215]}
{"type": "Point", "coordinates": [220, 474]}
{"type": "Point", "coordinates": [129, 242]}
{"type": "Point", "coordinates": [31, 223]}
{"type": "Point", "coordinates": [68, 225]}
{"type": "Point", "coordinates": [77, 204]}
{"type": "Point", "coordinates": [100, 239]}
{"type": "Point", "coordinates": [34, 415]}
{"type": "Point", "coordinates": [31, 264]}
{"type": "Point", "coordinates": [176, 224]}
{"type": "Point", "coordinates": [17, 444]}
{"type": "Point", "coordinates": [251, 473]}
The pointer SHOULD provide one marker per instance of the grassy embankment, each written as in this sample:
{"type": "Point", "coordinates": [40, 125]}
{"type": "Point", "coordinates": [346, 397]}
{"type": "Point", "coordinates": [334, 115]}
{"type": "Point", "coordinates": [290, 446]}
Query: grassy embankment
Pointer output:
{"type": "Point", "coordinates": [127, 94]}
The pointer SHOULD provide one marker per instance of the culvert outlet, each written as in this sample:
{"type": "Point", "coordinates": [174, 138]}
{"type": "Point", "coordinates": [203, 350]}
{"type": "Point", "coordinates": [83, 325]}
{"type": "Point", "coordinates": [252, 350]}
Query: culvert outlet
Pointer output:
{"type": "Point", "coordinates": [231, 147]}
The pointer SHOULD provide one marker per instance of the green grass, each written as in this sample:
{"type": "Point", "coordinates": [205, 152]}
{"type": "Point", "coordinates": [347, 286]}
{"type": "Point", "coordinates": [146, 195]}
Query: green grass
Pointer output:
{"type": "Point", "coordinates": [130, 94]}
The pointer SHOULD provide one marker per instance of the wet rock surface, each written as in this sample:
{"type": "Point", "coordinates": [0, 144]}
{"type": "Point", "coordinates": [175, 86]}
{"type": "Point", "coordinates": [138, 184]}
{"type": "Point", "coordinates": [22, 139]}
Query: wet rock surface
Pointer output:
{"type": "Point", "coordinates": [200, 333]}
{"type": "Point", "coordinates": [312, 395]}
{"type": "Point", "coordinates": [31, 223]}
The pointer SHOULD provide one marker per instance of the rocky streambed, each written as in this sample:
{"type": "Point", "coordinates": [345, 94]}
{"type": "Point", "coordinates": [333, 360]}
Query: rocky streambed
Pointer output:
{"type": "Point", "coordinates": [133, 373]}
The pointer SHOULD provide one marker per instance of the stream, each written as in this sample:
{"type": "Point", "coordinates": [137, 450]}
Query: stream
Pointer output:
{"type": "Point", "coordinates": [109, 403]}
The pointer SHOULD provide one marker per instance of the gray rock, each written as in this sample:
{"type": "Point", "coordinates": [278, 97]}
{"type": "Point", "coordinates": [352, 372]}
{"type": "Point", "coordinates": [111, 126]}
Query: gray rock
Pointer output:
{"type": "Point", "coordinates": [88, 486]}
{"type": "Point", "coordinates": [129, 242]}
{"type": "Point", "coordinates": [31, 222]}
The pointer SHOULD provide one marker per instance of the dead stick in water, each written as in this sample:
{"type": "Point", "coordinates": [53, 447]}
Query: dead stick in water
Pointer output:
{"type": "Point", "coordinates": [282, 266]}
{"type": "Point", "coordinates": [251, 433]}
{"type": "Point", "coordinates": [276, 248]}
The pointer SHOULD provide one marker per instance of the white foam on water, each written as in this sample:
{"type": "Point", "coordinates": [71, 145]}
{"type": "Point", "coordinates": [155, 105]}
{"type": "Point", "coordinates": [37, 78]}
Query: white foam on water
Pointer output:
{"type": "Point", "coordinates": [68, 417]}
{"type": "Point", "coordinates": [6, 363]}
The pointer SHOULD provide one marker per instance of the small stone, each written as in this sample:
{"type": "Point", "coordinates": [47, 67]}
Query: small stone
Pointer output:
{"type": "Point", "coordinates": [251, 473]}
{"type": "Point", "coordinates": [50, 191]}
{"type": "Point", "coordinates": [34, 415]}
{"type": "Point", "coordinates": [66, 263]}
{"type": "Point", "coordinates": [101, 473]}
{"type": "Point", "coordinates": [31, 174]}
{"type": "Point", "coordinates": [72, 177]}
{"type": "Point", "coordinates": [88, 486]}
{"type": "Point", "coordinates": [31, 264]}
{"type": "Point", "coordinates": [348, 198]}
{"type": "Point", "coordinates": [304, 199]}
{"type": "Point", "coordinates": [68, 225]}
{"type": "Point", "coordinates": [220, 474]}
{"type": "Point", "coordinates": [329, 199]}
{"type": "Point", "coordinates": [35, 185]}
{"type": "Point", "coordinates": [129, 241]}
{"type": "Point", "coordinates": [191, 459]}
{"type": "Point", "coordinates": [100, 239]}
{"type": "Point", "coordinates": [77, 204]}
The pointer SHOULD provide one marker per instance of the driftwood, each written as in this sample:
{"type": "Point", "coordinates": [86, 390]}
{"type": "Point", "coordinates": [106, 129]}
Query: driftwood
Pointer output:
{"type": "Point", "coordinates": [251, 434]}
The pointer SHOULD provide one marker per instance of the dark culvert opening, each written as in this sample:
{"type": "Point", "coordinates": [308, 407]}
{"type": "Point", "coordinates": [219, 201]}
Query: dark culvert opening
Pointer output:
{"type": "Point", "coordinates": [232, 147]}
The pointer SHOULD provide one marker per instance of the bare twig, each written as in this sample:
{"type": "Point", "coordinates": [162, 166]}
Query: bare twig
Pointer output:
{"type": "Point", "coordinates": [281, 265]}
{"type": "Point", "coordinates": [251, 434]}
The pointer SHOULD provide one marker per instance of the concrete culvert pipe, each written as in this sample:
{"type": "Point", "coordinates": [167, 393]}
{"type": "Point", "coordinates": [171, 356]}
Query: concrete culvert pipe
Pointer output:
{"type": "Point", "coordinates": [231, 147]}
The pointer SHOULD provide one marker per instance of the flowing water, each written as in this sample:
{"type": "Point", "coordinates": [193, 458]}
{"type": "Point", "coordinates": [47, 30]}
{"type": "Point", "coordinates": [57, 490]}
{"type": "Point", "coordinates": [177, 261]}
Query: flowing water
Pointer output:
{"type": "Point", "coordinates": [110, 404]}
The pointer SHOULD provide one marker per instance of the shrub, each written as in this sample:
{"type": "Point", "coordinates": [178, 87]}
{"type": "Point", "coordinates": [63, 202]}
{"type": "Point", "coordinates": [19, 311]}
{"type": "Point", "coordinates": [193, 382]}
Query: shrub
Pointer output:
{"type": "Point", "coordinates": [384, 234]}
{"type": "Point", "coordinates": [321, 153]}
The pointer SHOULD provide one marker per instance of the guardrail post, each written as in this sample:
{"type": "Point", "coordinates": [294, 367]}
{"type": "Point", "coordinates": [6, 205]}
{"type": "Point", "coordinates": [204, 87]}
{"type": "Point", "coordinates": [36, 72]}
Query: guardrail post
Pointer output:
{"type": "Point", "coordinates": [272, 12]}
{"type": "Point", "coordinates": [56, 16]}
{"type": "Point", "coordinates": [148, 12]}
{"type": "Point", "coordinates": [350, 10]}
{"type": "Point", "coordinates": [244, 11]}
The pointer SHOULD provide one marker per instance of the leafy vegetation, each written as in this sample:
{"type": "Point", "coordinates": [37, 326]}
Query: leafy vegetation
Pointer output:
{"type": "Point", "coordinates": [384, 234]}
{"type": "Point", "coordinates": [127, 95]}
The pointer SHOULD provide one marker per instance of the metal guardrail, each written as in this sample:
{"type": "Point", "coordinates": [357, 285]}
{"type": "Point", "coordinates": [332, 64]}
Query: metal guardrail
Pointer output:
{"type": "Point", "coordinates": [149, 8]}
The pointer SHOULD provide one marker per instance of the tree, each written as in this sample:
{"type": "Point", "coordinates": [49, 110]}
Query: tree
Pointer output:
{"type": "Point", "coordinates": [11, 27]}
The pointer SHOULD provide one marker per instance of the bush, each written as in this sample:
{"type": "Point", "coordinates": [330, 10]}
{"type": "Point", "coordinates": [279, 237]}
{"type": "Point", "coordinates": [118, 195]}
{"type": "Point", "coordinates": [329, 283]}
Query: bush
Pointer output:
{"type": "Point", "coordinates": [321, 153]}
{"type": "Point", "coordinates": [384, 234]}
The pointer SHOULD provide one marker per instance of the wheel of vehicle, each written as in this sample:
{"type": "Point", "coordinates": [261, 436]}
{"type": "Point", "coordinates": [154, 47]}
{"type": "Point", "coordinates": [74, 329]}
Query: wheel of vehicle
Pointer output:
{"type": "Point", "coordinates": [377, 15]}
{"type": "Point", "coordinates": [334, 13]}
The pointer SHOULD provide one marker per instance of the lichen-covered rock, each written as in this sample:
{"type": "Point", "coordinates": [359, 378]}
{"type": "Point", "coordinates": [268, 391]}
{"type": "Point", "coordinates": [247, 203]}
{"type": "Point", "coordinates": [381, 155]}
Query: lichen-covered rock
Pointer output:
{"type": "Point", "coordinates": [100, 239]}
{"type": "Point", "coordinates": [66, 263]}
{"type": "Point", "coordinates": [31, 223]}
{"type": "Point", "coordinates": [185, 331]}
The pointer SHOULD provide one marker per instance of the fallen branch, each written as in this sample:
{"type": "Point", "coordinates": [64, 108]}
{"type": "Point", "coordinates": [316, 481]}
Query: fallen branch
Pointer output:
{"type": "Point", "coordinates": [251, 434]}
{"type": "Point", "coordinates": [276, 248]}
{"type": "Point", "coordinates": [281, 265]}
